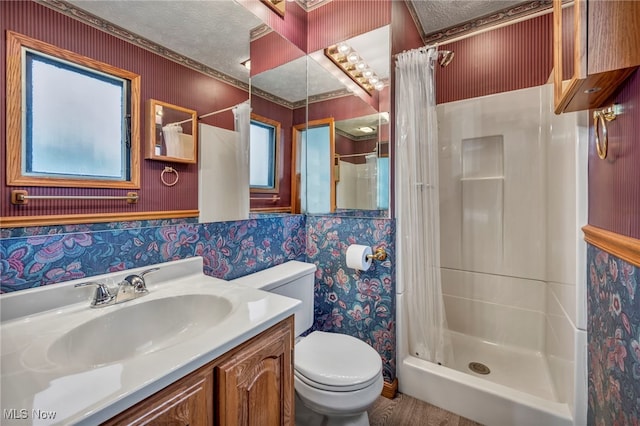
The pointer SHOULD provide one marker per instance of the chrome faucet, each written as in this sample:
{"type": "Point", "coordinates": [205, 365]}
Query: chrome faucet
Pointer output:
{"type": "Point", "coordinates": [102, 296]}
{"type": "Point", "coordinates": [132, 287]}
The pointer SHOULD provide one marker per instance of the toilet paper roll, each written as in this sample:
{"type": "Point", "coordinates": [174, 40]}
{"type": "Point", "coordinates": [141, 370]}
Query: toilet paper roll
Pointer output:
{"type": "Point", "coordinates": [357, 257]}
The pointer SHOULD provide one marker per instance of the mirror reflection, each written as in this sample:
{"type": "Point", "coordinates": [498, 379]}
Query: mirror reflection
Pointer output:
{"type": "Point", "coordinates": [362, 163]}
{"type": "Point", "coordinates": [171, 132]}
{"type": "Point", "coordinates": [278, 95]}
{"type": "Point", "coordinates": [348, 82]}
{"type": "Point", "coordinates": [282, 81]}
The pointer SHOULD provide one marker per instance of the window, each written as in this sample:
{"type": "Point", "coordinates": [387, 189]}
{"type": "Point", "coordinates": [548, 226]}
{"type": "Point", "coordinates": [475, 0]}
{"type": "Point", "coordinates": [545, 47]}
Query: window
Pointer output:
{"type": "Point", "coordinates": [79, 120]}
{"type": "Point", "coordinates": [264, 137]}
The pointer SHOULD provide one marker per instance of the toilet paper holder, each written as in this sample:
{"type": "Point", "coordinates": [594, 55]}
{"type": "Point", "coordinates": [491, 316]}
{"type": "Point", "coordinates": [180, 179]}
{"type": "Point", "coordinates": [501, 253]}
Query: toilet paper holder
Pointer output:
{"type": "Point", "coordinates": [380, 254]}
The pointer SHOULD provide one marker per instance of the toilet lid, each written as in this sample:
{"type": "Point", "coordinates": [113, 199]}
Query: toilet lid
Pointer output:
{"type": "Point", "coordinates": [333, 360]}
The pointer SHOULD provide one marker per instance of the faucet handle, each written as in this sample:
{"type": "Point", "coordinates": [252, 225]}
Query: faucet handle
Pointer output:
{"type": "Point", "coordinates": [137, 281]}
{"type": "Point", "coordinates": [148, 271]}
{"type": "Point", "coordinates": [102, 296]}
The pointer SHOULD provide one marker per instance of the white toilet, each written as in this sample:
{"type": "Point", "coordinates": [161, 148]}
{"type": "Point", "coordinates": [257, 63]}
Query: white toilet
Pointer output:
{"type": "Point", "coordinates": [337, 377]}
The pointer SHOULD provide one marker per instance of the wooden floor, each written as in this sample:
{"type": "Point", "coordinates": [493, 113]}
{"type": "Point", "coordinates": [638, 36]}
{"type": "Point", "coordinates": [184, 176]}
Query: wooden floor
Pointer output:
{"type": "Point", "coordinates": [404, 410]}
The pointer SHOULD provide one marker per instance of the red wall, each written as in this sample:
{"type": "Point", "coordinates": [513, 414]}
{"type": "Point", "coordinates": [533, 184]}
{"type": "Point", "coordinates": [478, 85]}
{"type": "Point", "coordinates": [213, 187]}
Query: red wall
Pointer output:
{"type": "Point", "coordinates": [339, 20]}
{"type": "Point", "coordinates": [340, 108]}
{"type": "Point", "coordinates": [293, 26]}
{"type": "Point", "coordinates": [508, 58]}
{"type": "Point", "coordinates": [347, 146]}
{"type": "Point", "coordinates": [614, 183]}
{"type": "Point", "coordinates": [271, 51]}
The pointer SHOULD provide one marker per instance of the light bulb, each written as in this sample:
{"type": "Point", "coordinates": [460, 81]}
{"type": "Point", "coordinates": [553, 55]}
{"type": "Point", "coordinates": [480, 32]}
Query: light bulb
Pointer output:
{"type": "Point", "coordinates": [367, 73]}
{"type": "Point", "coordinates": [343, 48]}
{"type": "Point", "coordinates": [379, 85]}
{"type": "Point", "coordinates": [353, 57]}
{"type": "Point", "coordinates": [373, 80]}
{"type": "Point", "coordinates": [361, 65]}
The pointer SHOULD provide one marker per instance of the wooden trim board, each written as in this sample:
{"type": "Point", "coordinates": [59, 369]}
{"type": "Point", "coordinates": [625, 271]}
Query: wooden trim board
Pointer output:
{"type": "Point", "coordinates": [621, 246]}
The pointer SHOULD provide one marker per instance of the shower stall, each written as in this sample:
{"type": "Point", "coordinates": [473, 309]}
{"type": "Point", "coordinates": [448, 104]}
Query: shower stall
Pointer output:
{"type": "Point", "coordinates": [512, 199]}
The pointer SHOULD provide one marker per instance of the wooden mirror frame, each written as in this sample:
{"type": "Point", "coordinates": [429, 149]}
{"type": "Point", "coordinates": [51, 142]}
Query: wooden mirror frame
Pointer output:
{"type": "Point", "coordinates": [152, 132]}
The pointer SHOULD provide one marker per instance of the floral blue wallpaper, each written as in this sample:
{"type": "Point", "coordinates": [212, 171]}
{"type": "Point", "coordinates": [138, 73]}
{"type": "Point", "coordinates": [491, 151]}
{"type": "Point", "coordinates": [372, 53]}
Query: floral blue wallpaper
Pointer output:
{"type": "Point", "coordinates": [229, 249]}
{"type": "Point", "coordinates": [613, 331]}
{"type": "Point", "coordinates": [361, 304]}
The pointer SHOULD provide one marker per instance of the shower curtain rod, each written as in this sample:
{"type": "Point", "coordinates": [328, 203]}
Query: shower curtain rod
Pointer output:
{"type": "Point", "coordinates": [364, 154]}
{"type": "Point", "coordinates": [427, 47]}
{"type": "Point", "coordinates": [209, 114]}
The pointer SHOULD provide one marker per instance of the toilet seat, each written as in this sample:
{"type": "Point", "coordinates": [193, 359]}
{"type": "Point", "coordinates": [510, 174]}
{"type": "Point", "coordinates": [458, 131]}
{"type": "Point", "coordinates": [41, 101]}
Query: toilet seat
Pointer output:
{"type": "Point", "coordinates": [336, 362]}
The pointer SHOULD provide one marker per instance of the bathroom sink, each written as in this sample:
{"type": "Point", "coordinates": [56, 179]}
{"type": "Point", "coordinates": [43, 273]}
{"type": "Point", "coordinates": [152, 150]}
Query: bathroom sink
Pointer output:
{"type": "Point", "coordinates": [88, 364]}
{"type": "Point", "coordinates": [138, 329]}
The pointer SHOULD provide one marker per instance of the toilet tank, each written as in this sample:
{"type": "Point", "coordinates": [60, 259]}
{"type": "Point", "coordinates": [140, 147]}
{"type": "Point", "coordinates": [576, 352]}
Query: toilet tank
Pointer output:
{"type": "Point", "coordinates": [292, 279]}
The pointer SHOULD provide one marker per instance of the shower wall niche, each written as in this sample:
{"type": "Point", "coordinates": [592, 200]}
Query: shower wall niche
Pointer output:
{"type": "Point", "coordinates": [482, 191]}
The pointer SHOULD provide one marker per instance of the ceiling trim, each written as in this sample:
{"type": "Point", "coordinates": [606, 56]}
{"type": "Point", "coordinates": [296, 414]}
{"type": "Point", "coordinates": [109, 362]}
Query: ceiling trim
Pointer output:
{"type": "Point", "coordinates": [259, 31]}
{"type": "Point", "coordinates": [71, 11]}
{"type": "Point", "coordinates": [309, 5]}
{"type": "Point", "coordinates": [501, 17]}
{"type": "Point", "coordinates": [276, 99]}
{"type": "Point", "coordinates": [329, 95]}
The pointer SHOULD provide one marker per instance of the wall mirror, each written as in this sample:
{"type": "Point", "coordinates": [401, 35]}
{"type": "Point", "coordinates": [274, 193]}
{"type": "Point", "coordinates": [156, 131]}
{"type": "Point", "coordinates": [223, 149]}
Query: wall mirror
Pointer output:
{"type": "Point", "coordinates": [171, 132]}
{"type": "Point", "coordinates": [279, 95]}
{"type": "Point", "coordinates": [280, 89]}
{"type": "Point", "coordinates": [360, 159]}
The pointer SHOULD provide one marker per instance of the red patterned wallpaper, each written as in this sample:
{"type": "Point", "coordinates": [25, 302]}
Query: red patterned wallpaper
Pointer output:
{"type": "Point", "coordinates": [293, 26]}
{"type": "Point", "coordinates": [270, 51]}
{"type": "Point", "coordinates": [339, 20]}
{"type": "Point", "coordinates": [160, 79]}
{"type": "Point", "coordinates": [508, 58]}
{"type": "Point", "coordinates": [614, 183]}
{"type": "Point", "coordinates": [340, 108]}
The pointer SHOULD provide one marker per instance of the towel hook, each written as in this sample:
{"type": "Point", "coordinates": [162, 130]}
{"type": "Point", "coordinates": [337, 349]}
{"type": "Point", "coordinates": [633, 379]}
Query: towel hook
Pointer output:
{"type": "Point", "coordinates": [600, 119]}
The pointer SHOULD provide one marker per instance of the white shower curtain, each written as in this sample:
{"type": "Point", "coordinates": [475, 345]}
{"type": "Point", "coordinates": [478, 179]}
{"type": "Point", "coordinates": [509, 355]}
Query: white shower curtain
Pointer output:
{"type": "Point", "coordinates": [242, 115]}
{"type": "Point", "coordinates": [417, 201]}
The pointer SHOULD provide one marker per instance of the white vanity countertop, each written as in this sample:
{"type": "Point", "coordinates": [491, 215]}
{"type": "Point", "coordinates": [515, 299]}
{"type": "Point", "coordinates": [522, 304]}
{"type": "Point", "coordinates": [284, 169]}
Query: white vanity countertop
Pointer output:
{"type": "Point", "coordinates": [38, 389]}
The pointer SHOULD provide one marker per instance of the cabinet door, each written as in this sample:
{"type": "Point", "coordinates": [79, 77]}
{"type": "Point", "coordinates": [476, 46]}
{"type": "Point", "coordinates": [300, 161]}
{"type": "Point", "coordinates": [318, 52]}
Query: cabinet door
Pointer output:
{"type": "Point", "coordinates": [188, 402]}
{"type": "Point", "coordinates": [595, 50]}
{"type": "Point", "coordinates": [255, 382]}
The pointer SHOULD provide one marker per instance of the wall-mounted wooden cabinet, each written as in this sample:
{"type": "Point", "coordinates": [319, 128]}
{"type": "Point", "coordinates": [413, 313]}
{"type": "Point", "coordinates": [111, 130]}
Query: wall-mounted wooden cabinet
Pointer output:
{"type": "Point", "coordinates": [596, 47]}
{"type": "Point", "coordinates": [250, 385]}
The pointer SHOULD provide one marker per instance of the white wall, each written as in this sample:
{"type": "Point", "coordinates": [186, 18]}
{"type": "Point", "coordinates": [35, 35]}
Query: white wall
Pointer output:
{"type": "Point", "coordinates": [566, 213]}
{"type": "Point", "coordinates": [492, 212]}
{"type": "Point", "coordinates": [357, 186]}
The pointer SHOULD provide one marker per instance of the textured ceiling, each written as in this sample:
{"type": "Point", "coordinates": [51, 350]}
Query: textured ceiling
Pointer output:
{"type": "Point", "coordinates": [435, 15]}
{"type": "Point", "coordinates": [216, 33]}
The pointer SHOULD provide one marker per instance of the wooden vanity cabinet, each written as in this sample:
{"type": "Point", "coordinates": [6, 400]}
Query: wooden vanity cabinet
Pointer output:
{"type": "Point", "coordinates": [255, 382]}
{"type": "Point", "coordinates": [186, 402]}
{"type": "Point", "coordinates": [251, 385]}
{"type": "Point", "coordinates": [595, 50]}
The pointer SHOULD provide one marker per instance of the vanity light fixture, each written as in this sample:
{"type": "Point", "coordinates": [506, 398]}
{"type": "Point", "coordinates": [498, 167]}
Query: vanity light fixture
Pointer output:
{"type": "Point", "coordinates": [246, 64]}
{"type": "Point", "coordinates": [349, 62]}
{"type": "Point", "coordinates": [366, 129]}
